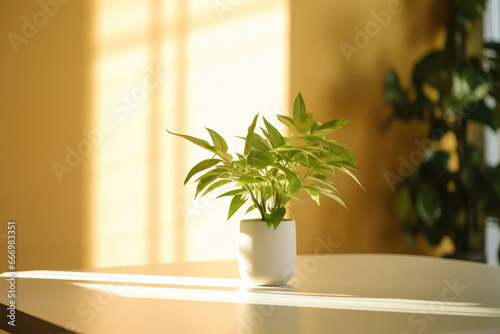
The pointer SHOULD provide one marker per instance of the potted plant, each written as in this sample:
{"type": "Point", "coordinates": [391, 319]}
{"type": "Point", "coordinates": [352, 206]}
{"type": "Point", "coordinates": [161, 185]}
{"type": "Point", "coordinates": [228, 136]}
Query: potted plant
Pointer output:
{"type": "Point", "coordinates": [266, 176]}
{"type": "Point", "coordinates": [450, 89]}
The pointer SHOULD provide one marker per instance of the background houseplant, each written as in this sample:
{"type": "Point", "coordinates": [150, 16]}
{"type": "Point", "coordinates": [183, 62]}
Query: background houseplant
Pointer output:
{"type": "Point", "coordinates": [274, 167]}
{"type": "Point", "coordinates": [449, 89]}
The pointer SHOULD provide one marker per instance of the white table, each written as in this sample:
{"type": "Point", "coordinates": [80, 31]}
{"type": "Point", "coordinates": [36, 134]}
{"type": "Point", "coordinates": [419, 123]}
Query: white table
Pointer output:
{"type": "Point", "coordinates": [389, 294]}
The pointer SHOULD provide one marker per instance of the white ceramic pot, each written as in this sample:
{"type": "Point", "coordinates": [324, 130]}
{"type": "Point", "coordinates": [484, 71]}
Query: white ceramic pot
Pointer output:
{"type": "Point", "coordinates": [267, 256]}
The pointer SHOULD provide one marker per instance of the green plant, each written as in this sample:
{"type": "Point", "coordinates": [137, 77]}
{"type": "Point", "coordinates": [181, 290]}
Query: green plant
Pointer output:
{"type": "Point", "coordinates": [273, 168]}
{"type": "Point", "coordinates": [449, 89]}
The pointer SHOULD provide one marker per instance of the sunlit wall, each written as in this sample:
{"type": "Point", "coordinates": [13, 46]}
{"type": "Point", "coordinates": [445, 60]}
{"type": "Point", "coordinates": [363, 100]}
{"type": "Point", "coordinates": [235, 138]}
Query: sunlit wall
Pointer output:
{"type": "Point", "coordinates": [180, 65]}
{"type": "Point", "coordinates": [44, 89]}
{"type": "Point", "coordinates": [105, 78]}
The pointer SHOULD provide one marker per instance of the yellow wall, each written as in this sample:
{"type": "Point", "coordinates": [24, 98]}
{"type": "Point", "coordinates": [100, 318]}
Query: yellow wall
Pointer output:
{"type": "Point", "coordinates": [335, 88]}
{"type": "Point", "coordinates": [45, 90]}
{"type": "Point", "coordinates": [44, 94]}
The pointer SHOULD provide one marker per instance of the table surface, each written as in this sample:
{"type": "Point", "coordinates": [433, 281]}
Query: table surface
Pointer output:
{"type": "Point", "coordinates": [329, 294]}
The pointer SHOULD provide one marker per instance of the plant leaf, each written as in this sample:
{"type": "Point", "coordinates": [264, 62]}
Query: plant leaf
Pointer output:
{"type": "Point", "coordinates": [224, 155]}
{"type": "Point", "coordinates": [469, 86]}
{"type": "Point", "coordinates": [196, 141]}
{"type": "Point", "coordinates": [339, 164]}
{"type": "Point", "coordinates": [259, 143]}
{"type": "Point", "coordinates": [306, 151]}
{"type": "Point", "coordinates": [219, 142]}
{"type": "Point", "coordinates": [304, 122]}
{"type": "Point", "coordinates": [315, 126]}
{"type": "Point", "coordinates": [216, 185]}
{"type": "Point", "coordinates": [485, 115]}
{"type": "Point", "coordinates": [428, 204]}
{"type": "Point", "coordinates": [334, 124]}
{"type": "Point", "coordinates": [293, 180]}
{"type": "Point", "coordinates": [204, 181]}
{"type": "Point", "coordinates": [297, 199]}
{"type": "Point", "coordinates": [299, 107]}
{"type": "Point", "coordinates": [333, 195]}
{"type": "Point", "coordinates": [471, 9]}
{"type": "Point", "coordinates": [275, 217]}
{"type": "Point", "coordinates": [313, 193]}
{"type": "Point", "coordinates": [251, 129]}
{"type": "Point", "coordinates": [340, 153]}
{"type": "Point", "coordinates": [260, 160]}
{"type": "Point", "coordinates": [250, 208]}
{"type": "Point", "coordinates": [219, 171]}
{"type": "Point", "coordinates": [431, 69]}
{"type": "Point", "coordinates": [294, 184]}
{"type": "Point", "coordinates": [288, 121]}
{"type": "Point", "coordinates": [314, 190]}
{"type": "Point", "coordinates": [236, 203]}
{"type": "Point", "coordinates": [275, 137]}
{"type": "Point", "coordinates": [317, 140]}
{"type": "Point", "coordinates": [201, 166]}
{"type": "Point", "coordinates": [323, 180]}
{"type": "Point", "coordinates": [248, 179]}
{"type": "Point", "coordinates": [348, 172]}
{"type": "Point", "coordinates": [233, 192]}
{"type": "Point", "coordinates": [405, 211]}
{"type": "Point", "coordinates": [393, 92]}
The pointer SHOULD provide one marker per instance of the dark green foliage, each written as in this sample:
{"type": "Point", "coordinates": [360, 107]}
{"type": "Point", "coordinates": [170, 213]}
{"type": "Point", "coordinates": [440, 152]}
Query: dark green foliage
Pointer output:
{"type": "Point", "coordinates": [449, 89]}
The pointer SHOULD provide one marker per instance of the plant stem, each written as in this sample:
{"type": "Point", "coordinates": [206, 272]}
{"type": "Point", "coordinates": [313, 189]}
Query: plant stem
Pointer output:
{"type": "Point", "coordinates": [263, 204]}
{"type": "Point", "coordinates": [469, 202]}
{"type": "Point", "coordinates": [255, 202]}
{"type": "Point", "coordinates": [252, 196]}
